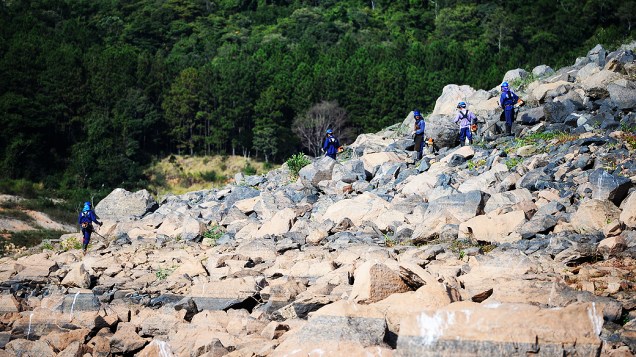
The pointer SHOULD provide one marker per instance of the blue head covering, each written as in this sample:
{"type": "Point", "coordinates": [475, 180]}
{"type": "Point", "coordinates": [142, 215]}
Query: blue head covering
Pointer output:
{"type": "Point", "coordinates": [329, 131]}
{"type": "Point", "coordinates": [87, 206]}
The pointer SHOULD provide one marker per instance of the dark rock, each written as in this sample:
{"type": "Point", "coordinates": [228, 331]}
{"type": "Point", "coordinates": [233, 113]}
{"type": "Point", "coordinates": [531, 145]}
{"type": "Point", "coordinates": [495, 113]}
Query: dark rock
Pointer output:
{"type": "Point", "coordinates": [623, 97]}
{"type": "Point", "coordinates": [442, 130]}
{"type": "Point", "coordinates": [606, 186]}
{"type": "Point", "coordinates": [456, 160]}
{"type": "Point", "coordinates": [532, 116]}
{"type": "Point", "coordinates": [535, 180]}
{"type": "Point", "coordinates": [319, 170]}
{"type": "Point", "coordinates": [239, 193]}
{"type": "Point", "coordinates": [462, 206]}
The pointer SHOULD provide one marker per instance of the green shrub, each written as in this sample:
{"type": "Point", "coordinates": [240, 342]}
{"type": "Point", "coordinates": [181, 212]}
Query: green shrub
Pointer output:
{"type": "Point", "coordinates": [297, 162]}
{"type": "Point", "coordinates": [214, 232]}
{"type": "Point", "coordinates": [513, 162]}
{"type": "Point", "coordinates": [249, 170]}
{"type": "Point", "coordinates": [210, 176]}
{"type": "Point", "coordinates": [163, 273]}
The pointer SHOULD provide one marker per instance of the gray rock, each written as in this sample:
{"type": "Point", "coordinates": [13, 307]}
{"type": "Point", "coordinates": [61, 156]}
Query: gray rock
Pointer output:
{"type": "Point", "coordinates": [123, 205]}
{"type": "Point", "coordinates": [319, 170]}
{"type": "Point", "coordinates": [606, 186]}
{"type": "Point", "coordinates": [532, 116]}
{"type": "Point", "coordinates": [623, 97]}
{"type": "Point", "coordinates": [254, 180]}
{"type": "Point", "coordinates": [83, 300]}
{"type": "Point", "coordinates": [386, 173]}
{"type": "Point", "coordinates": [542, 71]}
{"type": "Point", "coordinates": [442, 130]}
{"type": "Point", "coordinates": [349, 172]}
{"type": "Point", "coordinates": [597, 55]}
{"type": "Point", "coordinates": [462, 206]}
{"type": "Point", "coordinates": [514, 74]}
{"type": "Point", "coordinates": [239, 193]}
{"type": "Point", "coordinates": [535, 179]}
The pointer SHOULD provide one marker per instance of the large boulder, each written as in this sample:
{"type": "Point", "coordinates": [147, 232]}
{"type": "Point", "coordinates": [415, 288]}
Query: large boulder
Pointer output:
{"type": "Point", "coordinates": [121, 205]}
{"type": "Point", "coordinates": [596, 85]}
{"type": "Point", "coordinates": [628, 213]}
{"type": "Point", "coordinates": [375, 281]}
{"type": "Point", "coordinates": [542, 71]}
{"type": "Point", "coordinates": [624, 97]}
{"type": "Point", "coordinates": [461, 206]}
{"type": "Point", "coordinates": [471, 329]}
{"type": "Point", "coordinates": [279, 224]}
{"type": "Point", "coordinates": [343, 328]}
{"type": "Point", "coordinates": [366, 206]}
{"type": "Point", "coordinates": [593, 215]}
{"type": "Point", "coordinates": [515, 74]}
{"type": "Point", "coordinates": [319, 170]}
{"type": "Point", "coordinates": [446, 104]}
{"type": "Point", "coordinates": [597, 55]}
{"type": "Point", "coordinates": [493, 228]}
{"type": "Point", "coordinates": [606, 186]}
{"type": "Point", "coordinates": [77, 277]}
{"type": "Point", "coordinates": [442, 129]}
{"type": "Point", "coordinates": [373, 161]}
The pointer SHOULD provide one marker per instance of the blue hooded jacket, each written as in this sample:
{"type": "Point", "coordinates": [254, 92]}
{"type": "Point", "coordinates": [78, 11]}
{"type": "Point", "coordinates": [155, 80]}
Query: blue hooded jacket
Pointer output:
{"type": "Point", "coordinates": [331, 145]}
{"type": "Point", "coordinates": [508, 99]}
{"type": "Point", "coordinates": [87, 215]}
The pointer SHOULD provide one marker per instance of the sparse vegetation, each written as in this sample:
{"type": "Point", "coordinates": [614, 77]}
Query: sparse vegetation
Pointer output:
{"type": "Point", "coordinates": [28, 238]}
{"type": "Point", "coordinates": [297, 162]}
{"type": "Point", "coordinates": [70, 243]}
{"type": "Point", "coordinates": [473, 165]}
{"type": "Point", "coordinates": [179, 174]}
{"type": "Point", "coordinates": [389, 242]}
{"type": "Point", "coordinates": [513, 162]}
{"type": "Point", "coordinates": [214, 232]}
{"type": "Point", "coordinates": [163, 273]}
{"type": "Point", "coordinates": [522, 83]}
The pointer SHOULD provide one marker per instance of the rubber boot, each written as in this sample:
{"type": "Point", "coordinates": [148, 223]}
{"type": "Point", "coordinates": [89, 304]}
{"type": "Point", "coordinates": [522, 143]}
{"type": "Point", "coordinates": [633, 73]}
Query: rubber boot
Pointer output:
{"type": "Point", "coordinates": [508, 130]}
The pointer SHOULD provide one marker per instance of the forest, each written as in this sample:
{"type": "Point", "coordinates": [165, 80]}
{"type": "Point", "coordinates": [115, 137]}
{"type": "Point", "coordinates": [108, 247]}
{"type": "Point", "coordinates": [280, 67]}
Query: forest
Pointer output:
{"type": "Point", "coordinates": [92, 91]}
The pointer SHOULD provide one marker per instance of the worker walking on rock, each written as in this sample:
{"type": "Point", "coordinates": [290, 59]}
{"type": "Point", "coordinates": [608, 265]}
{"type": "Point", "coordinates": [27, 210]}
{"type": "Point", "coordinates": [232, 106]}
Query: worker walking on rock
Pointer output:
{"type": "Point", "coordinates": [465, 118]}
{"type": "Point", "coordinates": [418, 133]}
{"type": "Point", "coordinates": [507, 102]}
{"type": "Point", "coordinates": [331, 145]}
{"type": "Point", "coordinates": [85, 220]}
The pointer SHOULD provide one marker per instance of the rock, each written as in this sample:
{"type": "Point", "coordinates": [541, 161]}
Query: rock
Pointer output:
{"type": "Point", "coordinates": [596, 85]}
{"type": "Point", "coordinates": [609, 247]}
{"type": "Point", "coordinates": [157, 348]}
{"type": "Point", "coordinates": [442, 129]}
{"type": "Point", "coordinates": [461, 206]}
{"type": "Point", "coordinates": [373, 161]}
{"type": "Point", "coordinates": [446, 104]}
{"type": "Point", "coordinates": [493, 228]}
{"type": "Point", "coordinates": [75, 349]}
{"type": "Point", "coordinates": [274, 330]}
{"type": "Point", "coordinates": [366, 206]}
{"type": "Point", "coordinates": [542, 71]}
{"type": "Point", "coordinates": [624, 97]}
{"type": "Point", "coordinates": [526, 150]}
{"type": "Point", "coordinates": [192, 228]}
{"type": "Point", "coordinates": [467, 329]}
{"type": "Point", "coordinates": [343, 328]}
{"type": "Point", "coordinates": [535, 180]}
{"type": "Point", "coordinates": [35, 269]}
{"type": "Point", "coordinates": [597, 55]}
{"type": "Point", "coordinates": [349, 171]}
{"type": "Point", "coordinates": [375, 281]}
{"type": "Point", "coordinates": [8, 304]}
{"type": "Point", "coordinates": [61, 340]}
{"type": "Point", "coordinates": [221, 295]}
{"type": "Point", "coordinates": [532, 116]}
{"type": "Point", "coordinates": [279, 224]}
{"type": "Point", "coordinates": [628, 211]}
{"type": "Point", "coordinates": [319, 170]}
{"type": "Point", "coordinates": [515, 74]}
{"type": "Point", "coordinates": [26, 348]}
{"type": "Point", "coordinates": [77, 277]}
{"type": "Point", "coordinates": [465, 152]}
{"type": "Point", "coordinates": [126, 339]}
{"type": "Point", "coordinates": [121, 205]}
{"type": "Point", "coordinates": [593, 215]}
{"type": "Point", "coordinates": [541, 93]}
{"type": "Point", "coordinates": [507, 199]}
{"type": "Point", "coordinates": [606, 186]}
{"type": "Point", "coordinates": [419, 184]}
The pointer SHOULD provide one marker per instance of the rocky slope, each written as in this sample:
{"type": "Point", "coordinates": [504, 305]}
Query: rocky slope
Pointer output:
{"type": "Point", "coordinates": [510, 247]}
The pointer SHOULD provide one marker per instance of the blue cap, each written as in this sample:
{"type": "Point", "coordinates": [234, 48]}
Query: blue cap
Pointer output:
{"type": "Point", "coordinates": [416, 113]}
{"type": "Point", "coordinates": [87, 206]}
{"type": "Point", "coordinates": [461, 105]}
{"type": "Point", "coordinates": [329, 131]}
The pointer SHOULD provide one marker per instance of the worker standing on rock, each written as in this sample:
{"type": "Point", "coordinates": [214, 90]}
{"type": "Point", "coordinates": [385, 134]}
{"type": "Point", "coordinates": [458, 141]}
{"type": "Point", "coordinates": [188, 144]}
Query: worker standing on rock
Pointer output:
{"type": "Point", "coordinates": [465, 118]}
{"type": "Point", "coordinates": [85, 220]}
{"type": "Point", "coordinates": [331, 145]}
{"type": "Point", "coordinates": [418, 133]}
{"type": "Point", "coordinates": [507, 102]}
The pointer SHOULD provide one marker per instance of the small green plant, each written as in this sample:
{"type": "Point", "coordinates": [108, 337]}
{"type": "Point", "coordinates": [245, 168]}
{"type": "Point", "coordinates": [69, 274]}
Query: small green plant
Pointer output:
{"type": "Point", "coordinates": [163, 273]}
{"type": "Point", "coordinates": [214, 232]}
{"type": "Point", "coordinates": [297, 162]}
{"type": "Point", "coordinates": [47, 245]}
{"type": "Point", "coordinates": [389, 242]}
{"type": "Point", "coordinates": [462, 254]}
{"type": "Point", "coordinates": [249, 170]}
{"type": "Point", "coordinates": [513, 162]}
{"type": "Point", "coordinates": [473, 165]}
{"type": "Point", "coordinates": [70, 243]}
{"type": "Point", "coordinates": [628, 128]}
{"type": "Point", "coordinates": [522, 83]}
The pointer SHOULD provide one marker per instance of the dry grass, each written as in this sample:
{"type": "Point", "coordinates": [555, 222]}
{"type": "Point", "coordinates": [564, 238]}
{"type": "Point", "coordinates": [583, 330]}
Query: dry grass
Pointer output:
{"type": "Point", "coordinates": [179, 174]}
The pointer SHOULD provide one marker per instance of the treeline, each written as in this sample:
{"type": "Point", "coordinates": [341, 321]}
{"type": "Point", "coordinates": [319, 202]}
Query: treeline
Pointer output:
{"type": "Point", "coordinates": [92, 90]}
